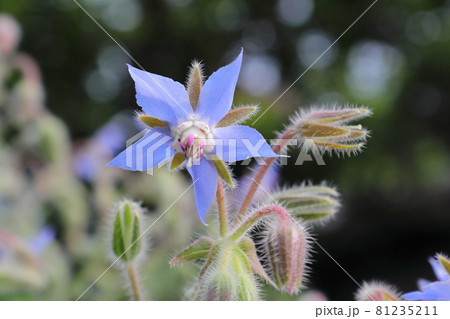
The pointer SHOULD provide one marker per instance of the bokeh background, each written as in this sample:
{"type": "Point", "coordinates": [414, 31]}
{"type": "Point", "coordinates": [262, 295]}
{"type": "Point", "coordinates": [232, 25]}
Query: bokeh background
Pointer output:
{"type": "Point", "coordinates": [66, 103]}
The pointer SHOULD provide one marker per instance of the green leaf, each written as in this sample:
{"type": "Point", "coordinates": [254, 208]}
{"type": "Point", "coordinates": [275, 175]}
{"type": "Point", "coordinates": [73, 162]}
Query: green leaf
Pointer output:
{"type": "Point", "coordinates": [177, 160]}
{"type": "Point", "coordinates": [245, 282]}
{"type": "Point", "coordinates": [196, 250]}
{"type": "Point", "coordinates": [237, 115]}
{"type": "Point", "coordinates": [222, 170]}
{"type": "Point", "coordinates": [248, 246]}
{"type": "Point", "coordinates": [152, 121]}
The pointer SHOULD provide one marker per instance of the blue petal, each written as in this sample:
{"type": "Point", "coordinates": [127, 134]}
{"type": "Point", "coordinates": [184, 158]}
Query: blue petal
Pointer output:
{"type": "Point", "coordinates": [415, 295]}
{"type": "Point", "coordinates": [437, 291]}
{"type": "Point", "coordinates": [438, 269]}
{"type": "Point", "coordinates": [161, 97]}
{"type": "Point", "coordinates": [205, 176]}
{"type": "Point", "coordinates": [422, 283]}
{"type": "Point", "coordinates": [236, 143]}
{"type": "Point", "coordinates": [216, 96]}
{"type": "Point", "coordinates": [154, 148]}
{"type": "Point", "coordinates": [45, 237]}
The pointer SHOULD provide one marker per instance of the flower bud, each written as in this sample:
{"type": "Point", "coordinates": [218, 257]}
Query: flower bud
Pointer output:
{"type": "Point", "coordinates": [377, 291]}
{"type": "Point", "coordinates": [229, 277]}
{"type": "Point", "coordinates": [310, 203]}
{"type": "Point", "coordinates": [221, 288]}
{"type": "Point", "coordinates": [286, 248]}
{"type": "Point", "coordinates": [328, 129]}
{"type": "Point", "coordinates": [127, 233]}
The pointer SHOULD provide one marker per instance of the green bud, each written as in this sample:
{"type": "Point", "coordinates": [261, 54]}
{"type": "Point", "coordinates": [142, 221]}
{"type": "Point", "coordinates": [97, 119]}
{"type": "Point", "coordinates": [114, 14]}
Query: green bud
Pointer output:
{"type": "Point", "coordinates": [286, 247]}
{"type": "Point", "coordinates": [328, 128]}
{"type": "Point", "coordinates": [127, 234]}
{"type": "Point", "coordinates": [310, 203]}
{"type": "Point", "coordinates": [229, 277]}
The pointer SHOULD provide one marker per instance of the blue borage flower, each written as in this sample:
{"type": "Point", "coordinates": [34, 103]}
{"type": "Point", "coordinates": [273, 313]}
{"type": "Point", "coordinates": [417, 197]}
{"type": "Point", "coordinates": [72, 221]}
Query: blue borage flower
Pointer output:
{"type": "Point", "coordinates": [434, 291]}
{"type": "Point", "coordinates": [194, 127]}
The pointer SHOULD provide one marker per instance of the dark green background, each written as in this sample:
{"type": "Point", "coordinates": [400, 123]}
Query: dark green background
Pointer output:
{"type": "Point", "coordinates": [395, 194]}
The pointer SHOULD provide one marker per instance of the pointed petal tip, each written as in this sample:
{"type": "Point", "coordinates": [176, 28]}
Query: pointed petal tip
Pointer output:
{"type": "Point", "coordinates": [202, 216]}
{"type": "Point", "coordinates": [130, 67]}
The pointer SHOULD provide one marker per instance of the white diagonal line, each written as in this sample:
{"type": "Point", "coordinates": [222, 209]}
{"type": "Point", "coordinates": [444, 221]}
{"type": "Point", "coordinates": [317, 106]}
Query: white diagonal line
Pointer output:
{"type": "Point", "coordinates": [319, 245]}
{"type": "Point", "coordinates": [143, 233]}
{"type": "Point", "coordinates": [129, 55]}
{"type": "Point", "coordinates": [315, 61]}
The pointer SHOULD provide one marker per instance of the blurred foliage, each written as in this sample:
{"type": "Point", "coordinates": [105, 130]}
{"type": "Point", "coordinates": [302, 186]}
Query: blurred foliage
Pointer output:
{"type": "Point", "coordinates": [396, 193]}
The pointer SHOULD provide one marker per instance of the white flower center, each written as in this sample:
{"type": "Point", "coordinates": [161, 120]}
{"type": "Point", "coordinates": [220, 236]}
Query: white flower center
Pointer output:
{"type": "Point", "coordinates": [193, 138]}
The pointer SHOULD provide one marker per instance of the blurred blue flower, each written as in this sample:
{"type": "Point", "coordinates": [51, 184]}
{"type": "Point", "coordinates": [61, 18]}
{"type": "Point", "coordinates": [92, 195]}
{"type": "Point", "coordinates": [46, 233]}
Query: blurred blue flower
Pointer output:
{"type": "Point", "coordinates": [269, 183]}
{"type": "Point", "coordinates": [433, 291]}
{"type": "Point", "coordinates": [11, 243]}
{"type": "Point", "coordinates": [189, 132]}
{"type": "Point", "coordinates": [104, 144]}
{"type": "Point", "coordinates": [45, 237]}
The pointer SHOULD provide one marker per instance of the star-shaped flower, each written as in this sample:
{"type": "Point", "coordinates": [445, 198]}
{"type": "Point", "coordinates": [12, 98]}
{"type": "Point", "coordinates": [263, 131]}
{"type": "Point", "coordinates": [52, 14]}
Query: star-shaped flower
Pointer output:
{"type": "Point", "coordinates": [438, 290]}
{"type": "Point", "coordinates": [193, 127]}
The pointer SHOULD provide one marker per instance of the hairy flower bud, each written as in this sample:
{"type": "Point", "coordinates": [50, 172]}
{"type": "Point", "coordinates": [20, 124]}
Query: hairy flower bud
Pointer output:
{"type": "Point", "coordinates": [328, 130]}
{"type": "Point", "coordinates": [286, 247]}
{"type": "Point", "coordinates": [377, 291]}
{"type": "Point", "coordinates": [127, 238]}
{"type": "Point", "coordinates": [310, 203]}
{"type": "Point", "coordinates": [229, 277]}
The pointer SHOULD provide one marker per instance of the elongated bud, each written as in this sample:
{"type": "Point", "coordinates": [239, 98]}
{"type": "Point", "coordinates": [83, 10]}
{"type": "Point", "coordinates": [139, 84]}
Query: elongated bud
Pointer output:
{"type": "Point", "coordinates": [286, 247]}
{"type": "Point", "coordinates": [327, 128]}
{"type": "Point", "coordinates": [195, 83]}
{"type": "Point", "coordinates": [377, 291]}
{"type": "Point", "coordinates": [127, 238]}
{"type": "Point", "coordinates": [230, 276]}
{"type": "Point", "coordinates": [310, 203]}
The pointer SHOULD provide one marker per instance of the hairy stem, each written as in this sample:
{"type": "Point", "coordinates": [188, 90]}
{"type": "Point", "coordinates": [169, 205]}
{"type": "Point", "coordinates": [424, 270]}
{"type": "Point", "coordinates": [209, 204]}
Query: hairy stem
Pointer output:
{"type": "Point", "coordinates": [132, 273]}
{"type": "Point", "coordinates": [222, 209]}
{"type": "Point", "coordinates": [277, 148]}
{"type": "Point", "coordinates": [250, 221]}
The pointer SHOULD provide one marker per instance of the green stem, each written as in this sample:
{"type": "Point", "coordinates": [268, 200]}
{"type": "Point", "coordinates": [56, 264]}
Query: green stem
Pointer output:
{"type": "Point", "coordinates": [132, 273]}
{"type": "Point", "coordinates": [222, 209]}
{"type": "Point", "coordinates": [277, 148]}
{"type": "Point", "coordinates": [255, 217]}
